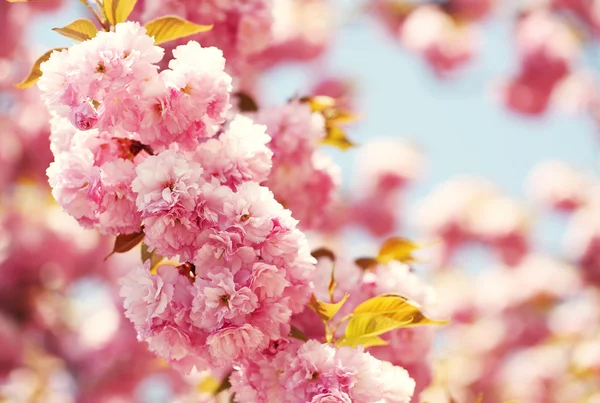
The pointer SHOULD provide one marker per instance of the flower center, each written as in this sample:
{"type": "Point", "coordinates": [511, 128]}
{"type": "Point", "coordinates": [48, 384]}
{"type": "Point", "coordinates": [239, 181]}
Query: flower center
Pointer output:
{"type": "Point", "coordinates": [101, 68]}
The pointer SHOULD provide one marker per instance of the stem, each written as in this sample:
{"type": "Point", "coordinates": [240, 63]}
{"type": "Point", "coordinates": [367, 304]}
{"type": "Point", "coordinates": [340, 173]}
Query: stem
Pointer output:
{"type": "Point", "coordinates": [91, 9]}
{"type": "Point", "coordinates": [337, 325]}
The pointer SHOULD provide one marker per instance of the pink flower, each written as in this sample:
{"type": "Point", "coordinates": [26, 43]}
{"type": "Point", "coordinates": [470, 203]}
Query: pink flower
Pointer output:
{"type": "Point", "coordinates": [240, 154]}
{"type": "Point", "coordinates": [234, 343]}
{"type": "Point", "coordinates": [435, 35]}
{"type": "Point", "coordinates": [147, 296]}
{"type": "Point", "coordinates": [302, 179]}
{"type": "Point", "coordinates": [558, 185]}
{"type": "Point", "coordinates": [240, 28]}
{"type": "Point", "coordinates": [191, 102]}
{"type": "Point", "coordinates": [334, 396]}
{"type": "Point", "coordinates": [220, 300]}
{"type": "Point", "coordinates": [110, 69]}
{"type": "Point", "coordinates": [172, 234]}
{"type": "Point", "coordinates": [75, 183]}
{"type": "Point", "coordinates": [314, 372]}
{"type": "Point", "coordinates": [166, 182]}
{"type": "Point", "coordinates": [547, 48]}
{"type": "Point", "coordinates": [120, 215]}
{"type": "Point", "coordinates": [253, 208]}
{"type": "Point", "coordinates": [158, 305]}
{"type": "Point", "coordinates": [267, 281]}
{"type": "Point", "coordinates": [84, 117]}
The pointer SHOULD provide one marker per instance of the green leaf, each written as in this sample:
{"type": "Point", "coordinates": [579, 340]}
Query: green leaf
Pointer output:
{"type": "Point", "coordinates": [80, 30]}
{"type": "Point", "coordinates": [323, 309]}
{"type": "Point", "coordinates": [154, 257]}
{"type": "Point", "coordinates": [397, 248]}
{"type": "Point", "coordinates": [171, 27]}
{"type": "Point", "coordinates": [124, 243]}
{"type": "Point", "coordinates": [36, 72]}
{"type": "Point", "coordinates": [117, 11]}
{"type": "Point", "coordinates": [382, 314]}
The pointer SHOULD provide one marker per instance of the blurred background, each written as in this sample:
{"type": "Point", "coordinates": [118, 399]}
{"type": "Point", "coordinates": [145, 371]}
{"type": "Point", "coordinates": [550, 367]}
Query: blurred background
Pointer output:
{"type": "Point", "coordinates": [488, 113]}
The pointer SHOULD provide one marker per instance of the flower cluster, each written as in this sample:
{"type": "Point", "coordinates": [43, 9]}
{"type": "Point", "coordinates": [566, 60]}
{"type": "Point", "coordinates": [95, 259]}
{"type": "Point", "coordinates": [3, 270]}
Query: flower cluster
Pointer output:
{"type": "Point", "coordinates": [547, 48]}
{"type": "Point", "coordinates": [303, 179]}
{"type": "Point", "coordinates": [152, 147]}
{"type": "Point", "coordinates": [319, 373]}
{"type": "Point", "coordinates": [386, 168]}
{"type": "Point", "coordinates": [408, 348]}
{"type": "Point", "coordinates": [473, 210]}
{"type": "Point", "coordinates": [251, 272]}
{"type": "Point", "coordinates": [241, 29]}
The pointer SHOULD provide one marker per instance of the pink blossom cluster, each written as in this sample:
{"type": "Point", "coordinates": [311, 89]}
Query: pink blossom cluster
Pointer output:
{"type": "Point", "coordinates": [241, 28]}
{"type": "Point", "coordinates": [465, 210]}
{"type": "Point", "coordinates": [445, 43]}
{"type": "Point", "coordinates": [50, 335]}
{"type": "Point", "coordinates": [538, 309]}
{"type": "Point", "coordinates": [303, 179]}
{"type": "Point", "coordinates": [547, 48]}
{"type": "Point", "coordinates": [301, 31]}
{"type": "Point", "coordinates": [444, 34]}
{"type": "Point", "coordinates": [408, 348]}
{"type": "Point", "coordinates": [121, 111]}
{"type": "Point", "coordinates": [385, 168]}
{"type": "Point", "coordinates": [529, 330]}
{"type": "Point", "coordinates": [551, 39]}
{"type": "Point", "coordinates": [319, 373]}
{"type": "Point", "coordinates": [150, 148]}
{"type": "Point", "coordinates": [247, 281]}
{"type": "Point", "coordinates": [24, 152]}
{"type": "Point", "coordinates": [562, 187]}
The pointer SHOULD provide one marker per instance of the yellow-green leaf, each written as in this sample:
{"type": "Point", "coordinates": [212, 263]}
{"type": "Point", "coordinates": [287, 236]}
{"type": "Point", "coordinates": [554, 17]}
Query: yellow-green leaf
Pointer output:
{"type": "Point", "coordinates": [396, 307]}
{"type": "Point", "coordinates": [364, 328]}
{"type": "Point", "coordinates": [397, 248]}
{"type": "Point", "coordinates": [80, 30]}
{"type": "Point", "coordinates": [365, 341]}
{"type": "Point", "coordinates": [323, 309]}
{"type": "Point", "coordinates": [380, 315]}
{"type": "Point", "coordinates": [171, 27]}
{"type": "Point", "coordinates": [36, 72]}
{"type": "Point", "coordinates": [479, 398]}
{"type": "Point", "coordinates": [336, 137]}
{"type": "Point", "coordinates": [117, 11]}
